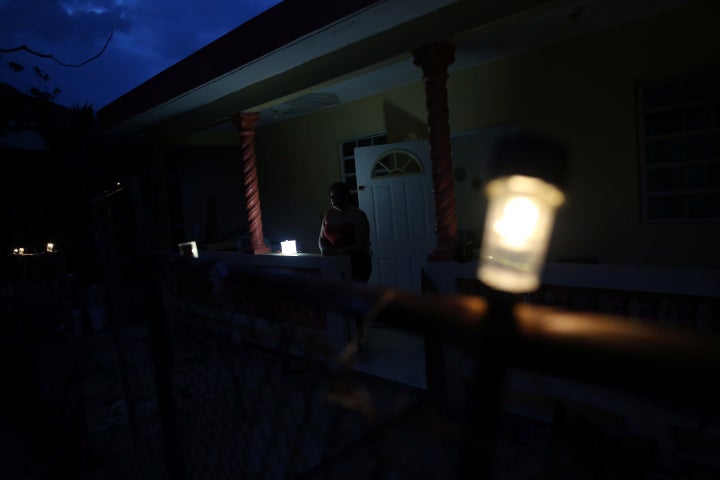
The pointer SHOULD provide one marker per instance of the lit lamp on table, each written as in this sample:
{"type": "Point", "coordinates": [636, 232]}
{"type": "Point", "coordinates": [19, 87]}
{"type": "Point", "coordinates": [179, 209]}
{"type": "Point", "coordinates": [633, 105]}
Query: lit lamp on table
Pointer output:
{"type": "Point", "coordinates": [288, 247]}
{"type": "Point", "coordinates": [523, 195]}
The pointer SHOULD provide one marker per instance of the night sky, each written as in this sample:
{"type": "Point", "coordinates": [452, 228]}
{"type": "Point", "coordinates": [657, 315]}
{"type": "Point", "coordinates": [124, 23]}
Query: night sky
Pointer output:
{"type": "Point", "coordinates": [148, 36]}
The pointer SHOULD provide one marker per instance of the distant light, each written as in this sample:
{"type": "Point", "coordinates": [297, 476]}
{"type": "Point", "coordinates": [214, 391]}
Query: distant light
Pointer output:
{"type": "Point", "coordinates": [15, 251]}
{"type": "Point", "coordinates": [21, 251]}
{"type": "Point", "coordinates": [50, 247]}
{"type": "Point", "coordinates": [188, 249]}
{"type": "Point", "coordinates": [288, 247]}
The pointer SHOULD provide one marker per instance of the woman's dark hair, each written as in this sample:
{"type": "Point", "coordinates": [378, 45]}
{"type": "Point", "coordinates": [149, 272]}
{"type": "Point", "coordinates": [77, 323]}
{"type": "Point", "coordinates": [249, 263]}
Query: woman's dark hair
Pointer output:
{"type": "Point", "coordinates": [341, 187]}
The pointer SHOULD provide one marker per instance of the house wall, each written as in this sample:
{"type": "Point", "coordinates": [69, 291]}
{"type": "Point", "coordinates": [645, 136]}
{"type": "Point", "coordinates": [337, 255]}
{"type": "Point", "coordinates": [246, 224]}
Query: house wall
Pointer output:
{"type": "Point", "coordinates": [211, 174]}
{"type": "Point", "coordinates": [581, 92]}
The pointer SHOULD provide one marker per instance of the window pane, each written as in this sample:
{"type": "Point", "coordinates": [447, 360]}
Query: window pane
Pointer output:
{"type": "Point", "coordinates": [703, 86]}
{"type": "Point", "coordinates": [714, 146]}
{"type": "Point", "coordinates": [380, 140]}
{"type": "Point", "coordinates": [665, 180]}
{"type": "Point", "coordinates": [348, 149]}
{"type": "Point", "coordinates": [665, 208]}
{"type": "Point", "coordinates": [704, 206]}
{"type": "Point", "coordinates": [364, 142]}
{"type": "Point", "coordinates": [714, 174]}
{"type": "Point", "coordinates": [663, 151]}
{"type": "Point", "coordinates": [696, 148]}
{"type": "Point", "coordinates": [349, 164]}
{"type": "Point", "coordinates": [698, 176]}
{"type": "Point", "coordinates": [663, 123]}
{"type": "Point", "coordinates": [413, 167]}
{"type": "Point", "coordinates": [379, 170]}
{"type": "Point", "coordinates": [352, 182]}
{"type": "Point", "coordinates": [660, 94]}
{"type": "Point", "coordinates": [698, 118]}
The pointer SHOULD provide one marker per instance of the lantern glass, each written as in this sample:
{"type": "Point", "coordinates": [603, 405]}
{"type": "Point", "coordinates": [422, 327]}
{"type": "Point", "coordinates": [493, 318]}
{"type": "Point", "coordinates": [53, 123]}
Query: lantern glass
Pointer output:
{"type": "Point", "coordinates": [521, 212]}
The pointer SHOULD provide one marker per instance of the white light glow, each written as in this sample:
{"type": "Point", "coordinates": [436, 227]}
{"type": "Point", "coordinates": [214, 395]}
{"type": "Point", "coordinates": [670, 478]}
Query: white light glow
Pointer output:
{"type": "Point", "coordinates": [189, 249]}
{"type": "Point", "coordinates": [518, 222]}
{"type": "Point", "coordinates": [50, 247]}
{"type": "Point", "coordinates": [288, 247]}
{"type": "Point", "coordinates": [21, 251]}
{"type": "Point", "coordinates": [521, 211]}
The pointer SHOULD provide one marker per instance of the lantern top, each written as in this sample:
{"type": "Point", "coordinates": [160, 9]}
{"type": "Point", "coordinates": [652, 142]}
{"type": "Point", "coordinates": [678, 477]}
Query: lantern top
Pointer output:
{"type": "Point", "coordinates": [530, 155]}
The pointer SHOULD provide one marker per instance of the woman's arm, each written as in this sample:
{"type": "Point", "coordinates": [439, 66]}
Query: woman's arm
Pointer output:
{"type": "Point", "coordinates": [323, 242]}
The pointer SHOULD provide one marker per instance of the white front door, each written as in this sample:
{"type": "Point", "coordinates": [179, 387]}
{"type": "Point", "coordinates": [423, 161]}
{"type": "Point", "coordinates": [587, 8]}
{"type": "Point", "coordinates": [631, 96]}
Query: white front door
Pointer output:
{"type": "Point", "coordinates": [395, 191]}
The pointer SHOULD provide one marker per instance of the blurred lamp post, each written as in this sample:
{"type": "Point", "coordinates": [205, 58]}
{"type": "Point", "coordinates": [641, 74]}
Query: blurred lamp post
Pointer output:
{"type": "Point", "coordinates": [523, 196]}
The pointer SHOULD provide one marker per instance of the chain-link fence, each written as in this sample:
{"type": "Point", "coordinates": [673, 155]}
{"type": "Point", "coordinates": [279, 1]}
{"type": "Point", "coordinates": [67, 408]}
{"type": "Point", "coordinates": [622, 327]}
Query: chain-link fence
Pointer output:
{"type": "Point", "coordinates": [233, 373]}
{"type": "Point", "coordinates": [260, 391]}
{"type": "Point", "coordinates": [233, 379]}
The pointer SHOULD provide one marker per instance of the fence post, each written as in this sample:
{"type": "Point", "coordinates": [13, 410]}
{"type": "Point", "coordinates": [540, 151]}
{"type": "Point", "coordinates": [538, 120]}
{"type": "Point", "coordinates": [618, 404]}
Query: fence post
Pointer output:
{"type": "Point", "coordinates": [434, 357]}
{"type": "Point", "coordinates": [491, 351]}
{"type": "Point", "coordinates": [162, 351]}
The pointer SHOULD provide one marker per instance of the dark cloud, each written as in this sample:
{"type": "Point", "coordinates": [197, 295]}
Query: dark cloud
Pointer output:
{"type": "Point", "coordinates": [47, 23]}
{"type": "Point", "coordinates": [149, 36]}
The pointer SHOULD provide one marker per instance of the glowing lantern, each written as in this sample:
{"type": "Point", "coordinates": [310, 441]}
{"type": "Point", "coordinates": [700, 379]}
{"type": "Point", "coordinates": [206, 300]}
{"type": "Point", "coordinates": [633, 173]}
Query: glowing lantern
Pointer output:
{"type": "Point", "coordinates": [522, 201]}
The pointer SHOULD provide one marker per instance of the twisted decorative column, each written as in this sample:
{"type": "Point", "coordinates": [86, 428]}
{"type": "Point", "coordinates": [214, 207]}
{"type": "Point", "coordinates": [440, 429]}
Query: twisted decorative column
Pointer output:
{"type": "Point", "coordinates": [434, 60]}
{"type": "Point", "coordinates": [245, 123]}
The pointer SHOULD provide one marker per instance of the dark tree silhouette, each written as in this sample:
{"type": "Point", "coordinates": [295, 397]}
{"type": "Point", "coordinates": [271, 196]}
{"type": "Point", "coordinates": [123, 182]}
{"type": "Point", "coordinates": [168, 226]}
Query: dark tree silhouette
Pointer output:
{"type": "Point", "coordinates": [46, 93]}
{"type": "Point", "coordinates": [25, 48]}
{"type": "Point", "coordinates": [47, 190]}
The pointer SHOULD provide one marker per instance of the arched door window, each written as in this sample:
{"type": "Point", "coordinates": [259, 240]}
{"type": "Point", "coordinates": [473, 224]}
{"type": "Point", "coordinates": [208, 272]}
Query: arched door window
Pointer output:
{"type": "Point", "coordinates": [396, 162]}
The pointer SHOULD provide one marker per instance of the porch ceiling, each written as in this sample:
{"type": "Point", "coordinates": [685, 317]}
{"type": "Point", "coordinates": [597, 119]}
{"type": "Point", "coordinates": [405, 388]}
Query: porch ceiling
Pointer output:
{"type": "Point", "coordinates": [325, 55]}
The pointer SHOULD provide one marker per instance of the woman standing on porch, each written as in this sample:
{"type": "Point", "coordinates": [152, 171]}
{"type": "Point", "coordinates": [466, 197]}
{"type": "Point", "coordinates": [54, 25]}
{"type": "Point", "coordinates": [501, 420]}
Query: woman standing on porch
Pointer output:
{"type": "Point", "coordinates": [345, 230]}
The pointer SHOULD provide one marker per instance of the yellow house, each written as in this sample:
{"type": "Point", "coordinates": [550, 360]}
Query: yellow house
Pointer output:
{"type": "Point", "coordinates": [631, 88]}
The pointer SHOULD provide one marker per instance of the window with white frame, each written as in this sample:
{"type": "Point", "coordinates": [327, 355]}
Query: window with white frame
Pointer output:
{"type": "Point", "coordinates": [396, 162]}
{"type": "Point", "coordinates": [347, 158]}
{"type": "Point", "coordinates": [679, 129]}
